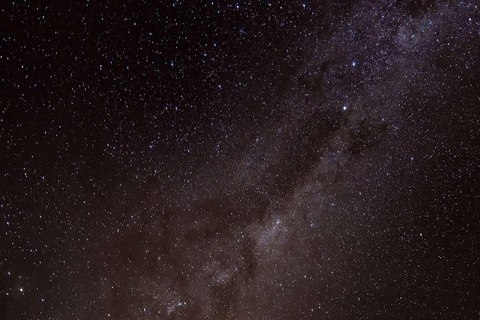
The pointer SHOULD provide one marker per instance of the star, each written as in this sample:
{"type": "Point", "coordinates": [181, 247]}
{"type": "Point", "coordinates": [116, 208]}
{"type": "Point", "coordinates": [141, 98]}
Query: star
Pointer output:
{"type": "Point", "coordinates": [230, 161]}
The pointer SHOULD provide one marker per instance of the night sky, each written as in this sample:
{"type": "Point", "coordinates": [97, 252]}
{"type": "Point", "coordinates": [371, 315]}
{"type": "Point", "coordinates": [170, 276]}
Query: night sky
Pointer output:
{"type": "Point", "coordinates": [240, 160]}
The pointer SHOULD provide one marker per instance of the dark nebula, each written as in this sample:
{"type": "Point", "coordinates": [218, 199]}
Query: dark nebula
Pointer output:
{"type": "Point", "coordinates": [240, 160]}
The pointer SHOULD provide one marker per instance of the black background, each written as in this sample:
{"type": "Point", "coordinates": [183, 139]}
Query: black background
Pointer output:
{"type": "Point", "coordinates": [239, 160]}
